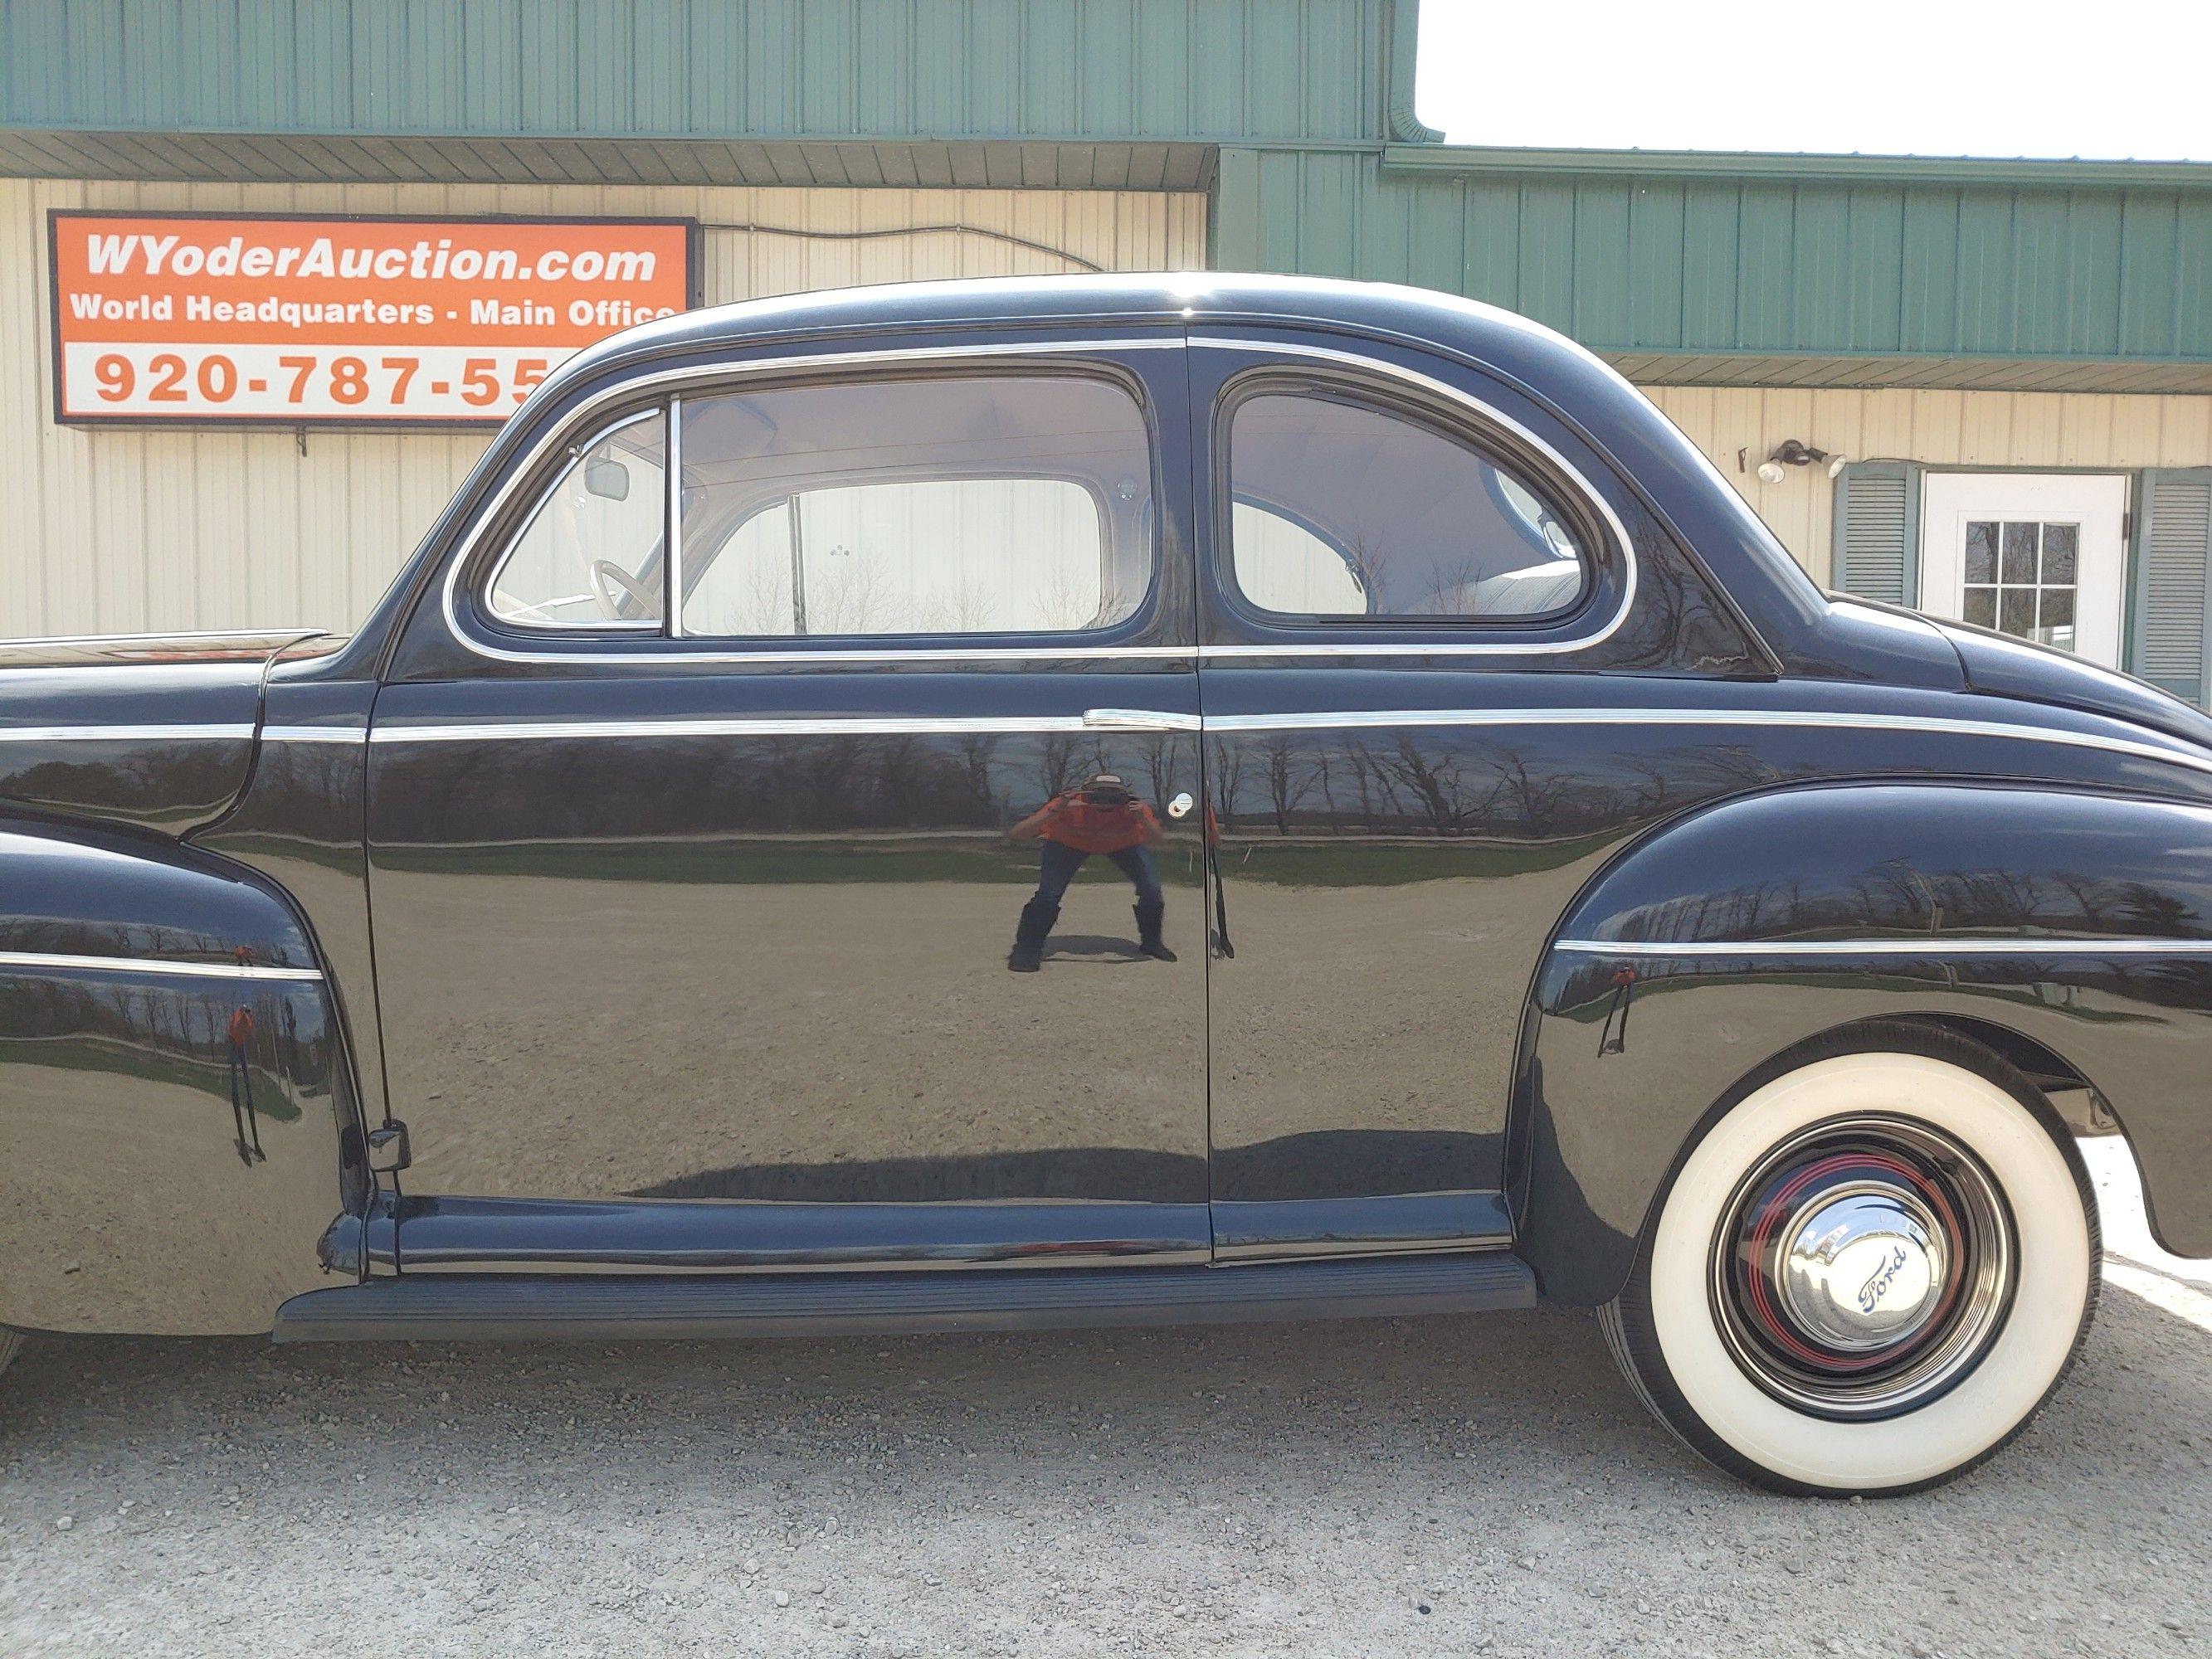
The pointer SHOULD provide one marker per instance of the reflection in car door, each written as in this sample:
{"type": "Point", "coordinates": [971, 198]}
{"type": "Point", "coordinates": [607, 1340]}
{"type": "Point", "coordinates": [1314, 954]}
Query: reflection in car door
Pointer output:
{"type": "Point", "coordinates": [693, 942]}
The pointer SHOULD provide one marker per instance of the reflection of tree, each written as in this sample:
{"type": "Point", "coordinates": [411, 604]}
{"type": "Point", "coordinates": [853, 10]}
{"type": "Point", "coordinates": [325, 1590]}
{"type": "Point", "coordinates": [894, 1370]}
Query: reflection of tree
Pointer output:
{"type": "Point", "coordinates": [1285, 779]}
{"type": "Point", "coordinates": [173, 1032]}
{"type": "Point", "coordinates": [1058, 758]}
{"type": "Point", "coordinates": [1159, 769]}
{"type": "Point", "coordinates": [972, 753]}
{"type": "Point", "coordinates": [149, 782]}
{"type": "Point", "coordinates": [1225, 779]}
{"type": "Point", "coordinates": [607, 792]}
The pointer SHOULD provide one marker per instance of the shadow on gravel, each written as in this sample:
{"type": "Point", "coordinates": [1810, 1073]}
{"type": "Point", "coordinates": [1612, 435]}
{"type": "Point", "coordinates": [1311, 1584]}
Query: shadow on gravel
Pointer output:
{"type": "Point", "coordinates": [1480, 1484]}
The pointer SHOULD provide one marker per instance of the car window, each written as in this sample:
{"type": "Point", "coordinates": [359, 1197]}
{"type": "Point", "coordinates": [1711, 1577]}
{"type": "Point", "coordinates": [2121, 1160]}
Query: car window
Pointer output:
{"type": "Point", "coordinates": [590, 555]}
{"type": "Point", "coordinates": [1342, 510]}
{"type": "Point", "coordinates": [990, 504]}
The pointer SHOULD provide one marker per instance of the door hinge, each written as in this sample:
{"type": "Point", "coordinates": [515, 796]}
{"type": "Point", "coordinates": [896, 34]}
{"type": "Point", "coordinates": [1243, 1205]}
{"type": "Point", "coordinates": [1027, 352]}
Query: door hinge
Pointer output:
{"type": "Point", "coordinates": [387, 1147]}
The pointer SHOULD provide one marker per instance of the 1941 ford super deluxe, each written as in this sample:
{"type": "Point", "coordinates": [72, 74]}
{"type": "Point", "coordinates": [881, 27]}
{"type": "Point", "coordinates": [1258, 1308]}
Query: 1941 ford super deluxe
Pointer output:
{"type": "Point", "coordinates": [1022, 803]}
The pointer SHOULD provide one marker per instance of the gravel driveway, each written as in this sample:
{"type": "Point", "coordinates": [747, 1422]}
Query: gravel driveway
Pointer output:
{"type": "Point", "coordinates": [1456, 1486]}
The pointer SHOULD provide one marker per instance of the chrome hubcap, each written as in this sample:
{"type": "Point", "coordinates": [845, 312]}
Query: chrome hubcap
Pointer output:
{"type": "Point", "coordinates": [1863, 1268]}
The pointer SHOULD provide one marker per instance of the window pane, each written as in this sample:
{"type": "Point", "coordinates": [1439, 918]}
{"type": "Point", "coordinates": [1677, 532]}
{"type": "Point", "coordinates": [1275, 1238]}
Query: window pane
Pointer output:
{"type": "Point", "coordinates": [590, 555]}
{"type": "Point", "coordinates": [994, 504]}
{"type": "Point", "coordinates": [2016, 612]}
{"type": "Point", "coordinates": [2019, 553]}
{"type": "Point", "coordinates": [1981, 551]}
{"type": "Point", "coordinates": [1281, 566]}
{"type": "Point", "coordinates": [747, 588]}
{"type": "Point", "coordinates": [2054, 618]}
{"type": "Point", "coordinates": [2061, 542]}
{"type": "Point", "coordinates": [1982, 606]}
{"type": "Point", "coordinates": [1344, 511]}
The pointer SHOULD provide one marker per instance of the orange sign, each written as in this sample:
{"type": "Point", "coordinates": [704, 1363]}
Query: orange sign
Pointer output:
{"type": "Point", "coordinates": [285, 320]}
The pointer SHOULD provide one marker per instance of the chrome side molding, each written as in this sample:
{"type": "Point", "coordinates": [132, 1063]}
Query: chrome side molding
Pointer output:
{"type": "Point", "coordinates": [1932, 944]}
{"type": "Point", "coordinates": [1138, 719]}
{"type": "Point", "coordinates": [43, 961]}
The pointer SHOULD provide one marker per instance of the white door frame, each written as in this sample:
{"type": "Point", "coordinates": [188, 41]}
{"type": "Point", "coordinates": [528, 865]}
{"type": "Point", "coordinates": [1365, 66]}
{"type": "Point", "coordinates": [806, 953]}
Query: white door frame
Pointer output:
{"type": "Point", "coordinates": [2098, 501]}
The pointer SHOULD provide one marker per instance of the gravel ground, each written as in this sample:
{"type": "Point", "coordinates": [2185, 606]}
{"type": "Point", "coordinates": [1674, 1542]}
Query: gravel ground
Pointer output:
{"type": "Point", "coordinates": [1472, 1485]}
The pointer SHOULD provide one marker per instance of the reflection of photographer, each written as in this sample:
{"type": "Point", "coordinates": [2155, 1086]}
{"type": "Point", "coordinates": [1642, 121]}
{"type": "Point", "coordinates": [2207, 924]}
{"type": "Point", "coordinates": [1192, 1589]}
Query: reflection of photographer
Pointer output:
{"type": "Point", "coordinates": [1102, 817]}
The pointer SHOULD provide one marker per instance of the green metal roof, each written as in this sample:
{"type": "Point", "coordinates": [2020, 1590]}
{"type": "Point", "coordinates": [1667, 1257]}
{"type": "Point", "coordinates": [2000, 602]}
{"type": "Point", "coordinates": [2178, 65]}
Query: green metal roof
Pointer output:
{"type": "Point", "coordinates": [1808, 270]}
{"type": "Point", "coordinates": [1297, 114]}
{"type": "Point", "coordinates": [1119, 93]}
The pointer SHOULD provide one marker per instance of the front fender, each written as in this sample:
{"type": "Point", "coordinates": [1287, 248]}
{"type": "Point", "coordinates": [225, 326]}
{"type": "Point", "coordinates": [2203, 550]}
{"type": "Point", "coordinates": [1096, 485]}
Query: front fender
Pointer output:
{"type": "Point", "coordinates": [174, 1097]}
{"type": "Point", "coordinates": [2077, 922]}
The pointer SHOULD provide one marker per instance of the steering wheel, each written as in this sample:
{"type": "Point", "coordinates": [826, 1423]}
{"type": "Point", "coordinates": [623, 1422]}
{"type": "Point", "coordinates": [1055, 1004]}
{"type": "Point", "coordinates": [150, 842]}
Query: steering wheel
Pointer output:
{"type": "Point", "coordinates": [611, 583]}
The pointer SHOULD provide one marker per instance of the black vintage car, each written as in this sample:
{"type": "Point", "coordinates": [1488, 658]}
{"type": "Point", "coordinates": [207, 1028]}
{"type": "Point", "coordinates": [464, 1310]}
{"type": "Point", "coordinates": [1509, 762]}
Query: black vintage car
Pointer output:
{"type": "Point", "coordinates": [1010, 803]}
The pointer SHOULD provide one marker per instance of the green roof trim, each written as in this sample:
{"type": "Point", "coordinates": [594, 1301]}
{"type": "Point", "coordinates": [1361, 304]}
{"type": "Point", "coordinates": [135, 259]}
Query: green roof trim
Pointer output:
{"type": "Point", "coordinates": [1288, 71]}
{"type": "Point", "coordinates": [2064, 174]}
{"type": "Point", "coordinates": [2056, 276]}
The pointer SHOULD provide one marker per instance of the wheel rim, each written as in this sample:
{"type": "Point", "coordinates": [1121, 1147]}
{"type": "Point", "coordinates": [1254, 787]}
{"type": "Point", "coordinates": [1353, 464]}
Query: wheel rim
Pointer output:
{"type": "Point", "coordinates": [1864, 1267]}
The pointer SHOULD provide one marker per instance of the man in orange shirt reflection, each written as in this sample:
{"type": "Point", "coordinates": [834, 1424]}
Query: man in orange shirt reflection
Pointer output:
{"type": "Point", "coordinates": [1102, 817]}
{"type": "Point", "coordinates": [243, 1117]}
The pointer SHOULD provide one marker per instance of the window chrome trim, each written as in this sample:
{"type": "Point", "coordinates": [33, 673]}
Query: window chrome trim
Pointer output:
{"type": "Point", "coordinates": [1932, 945]}
{"type": "Point", "coordinates": [1590, 498]}
{"type": "Point", "coordinates": [46, 962]}
{"type": "Point", "coordinates": [854, 727]}
{"type": "Point", "coordinates": [507, 554]}
{"type": "Point", "coordinates": [672, 510]}
{"type": "Point", "coordinates": [466, 549]}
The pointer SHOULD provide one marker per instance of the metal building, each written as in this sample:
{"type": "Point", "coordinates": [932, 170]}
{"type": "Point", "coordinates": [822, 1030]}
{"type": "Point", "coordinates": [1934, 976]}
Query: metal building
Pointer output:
{"type": "Point", "coordinates": [1968, 344]}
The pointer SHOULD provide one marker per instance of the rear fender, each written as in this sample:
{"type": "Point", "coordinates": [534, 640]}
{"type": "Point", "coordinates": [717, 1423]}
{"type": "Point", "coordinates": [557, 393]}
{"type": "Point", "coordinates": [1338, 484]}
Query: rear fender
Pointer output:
{"type": "Point", "coordinates": [175, 1097]}
{"type": "Point", "coordinates": [2077, 922]}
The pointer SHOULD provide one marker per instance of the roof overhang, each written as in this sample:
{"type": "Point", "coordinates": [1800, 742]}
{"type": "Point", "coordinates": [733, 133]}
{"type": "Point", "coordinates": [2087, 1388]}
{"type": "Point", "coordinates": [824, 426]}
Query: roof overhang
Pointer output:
{"type": "Point", "coordinates": [1902, 372]}
{"type": "Point", "coordinates": [300, 157]}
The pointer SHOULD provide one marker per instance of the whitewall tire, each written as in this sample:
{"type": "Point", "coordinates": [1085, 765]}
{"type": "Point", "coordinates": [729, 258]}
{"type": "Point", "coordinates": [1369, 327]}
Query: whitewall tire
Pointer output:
{"type": "Point", "coordinates": [1868, 1272]}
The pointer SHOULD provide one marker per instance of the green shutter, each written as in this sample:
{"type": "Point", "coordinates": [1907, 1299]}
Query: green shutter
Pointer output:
{"type": "Point", "coordinates": [1877, 540]}
{"type": "Point", "coordinates": [2174, 552]}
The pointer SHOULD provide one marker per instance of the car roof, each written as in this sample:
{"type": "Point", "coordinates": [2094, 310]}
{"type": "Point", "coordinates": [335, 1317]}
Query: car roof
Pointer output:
{"type": "Point", "coordinates": [1179, 299]}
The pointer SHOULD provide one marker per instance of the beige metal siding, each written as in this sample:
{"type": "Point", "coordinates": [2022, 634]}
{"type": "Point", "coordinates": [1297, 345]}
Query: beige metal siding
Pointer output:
{"type": "Point", "coordinates": [1942, 428]}
{"type": "Point", "coordinates": [121, 531]}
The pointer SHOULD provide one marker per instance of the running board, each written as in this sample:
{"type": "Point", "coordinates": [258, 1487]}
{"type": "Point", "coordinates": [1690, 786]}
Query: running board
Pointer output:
{"type": "Point", "coordinates": [513, 1308]}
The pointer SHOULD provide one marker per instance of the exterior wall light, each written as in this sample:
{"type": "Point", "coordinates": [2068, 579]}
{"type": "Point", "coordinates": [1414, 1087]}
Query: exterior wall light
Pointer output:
{"type": "Point", "coordinates": [1791, 452]}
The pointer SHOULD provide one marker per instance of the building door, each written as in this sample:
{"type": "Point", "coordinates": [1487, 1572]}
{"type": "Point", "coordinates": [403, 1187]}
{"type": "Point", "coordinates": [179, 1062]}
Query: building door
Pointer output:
{"type": "Point", "coordinates": [2039, 555]}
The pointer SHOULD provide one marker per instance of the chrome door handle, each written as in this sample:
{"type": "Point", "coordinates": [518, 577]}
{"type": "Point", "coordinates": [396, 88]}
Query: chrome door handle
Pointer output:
{"type": "Point", "coordinates": [1139, 720]}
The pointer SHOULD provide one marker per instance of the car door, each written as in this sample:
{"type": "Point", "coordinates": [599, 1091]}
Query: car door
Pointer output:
{"type": "Point", "coordinates": [689, 819]}
{"type": "Point", "coordinates": [1408, 569]}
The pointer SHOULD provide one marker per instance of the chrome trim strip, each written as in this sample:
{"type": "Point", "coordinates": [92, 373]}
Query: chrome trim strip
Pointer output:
{"type": "Point", "coordinates": [950, 654]}
{"type": "Point", "coordinates": [349, 734]}
{"type": "Point", "coordinates": [459, 559]}
{"type": "Point", "coordinates": [42, 960]}
{"type": "Point", "coordinates": [226, 733]}
{"type": "Point", "coordinates": [1131, 720]}
{"type": "Point", "coordinates": [1138, 719]}
{"type": "Point", "coordinates": [672, 530]}
{"type": "Point", "coordinates": [1496, 417]}
{"type": "Point", "coordinates": [1929, 946]}
{"type": "Point", "coordinates": [859, 726]}
{"type": "Point", "coordinates": [1365, 718]}
{"type": "Point", "coordinates": [175, 636]}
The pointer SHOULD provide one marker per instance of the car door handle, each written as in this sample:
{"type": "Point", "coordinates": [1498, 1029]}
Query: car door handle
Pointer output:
{"type": "Point", "coordinates": [1139, 720]}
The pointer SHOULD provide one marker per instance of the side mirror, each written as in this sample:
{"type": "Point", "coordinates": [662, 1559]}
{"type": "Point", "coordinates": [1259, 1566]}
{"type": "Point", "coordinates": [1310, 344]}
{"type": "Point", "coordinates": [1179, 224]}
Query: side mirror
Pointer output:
{"type": "Point", "coordinates": [607, 479]}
